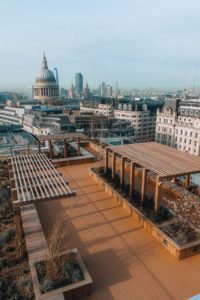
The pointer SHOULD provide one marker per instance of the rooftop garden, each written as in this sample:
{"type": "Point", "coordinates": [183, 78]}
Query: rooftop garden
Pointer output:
{"type": "Point", "coordinates": [15, 277]}
{"type": "Point", "coordinates": [176, 217]}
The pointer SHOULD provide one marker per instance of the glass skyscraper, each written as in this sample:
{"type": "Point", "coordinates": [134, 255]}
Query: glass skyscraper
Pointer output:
{"type": "Point", "coordinates": [79, 83]}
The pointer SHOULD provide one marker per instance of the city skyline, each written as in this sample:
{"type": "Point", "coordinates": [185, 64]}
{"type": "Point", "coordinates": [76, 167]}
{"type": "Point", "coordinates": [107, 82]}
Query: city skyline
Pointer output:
{"type": "Point", "coordinates": [145, 44]}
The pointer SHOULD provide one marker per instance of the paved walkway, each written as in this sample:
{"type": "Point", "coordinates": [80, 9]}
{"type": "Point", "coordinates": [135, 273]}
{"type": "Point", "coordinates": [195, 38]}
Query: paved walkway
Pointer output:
{"type": "Point", "coordinates": [124, 261]}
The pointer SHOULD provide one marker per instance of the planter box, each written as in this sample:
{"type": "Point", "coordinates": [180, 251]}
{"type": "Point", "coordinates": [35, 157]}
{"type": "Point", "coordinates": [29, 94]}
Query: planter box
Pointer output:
{"type": "Point", "coordinates": [176, 250]}
{"type": "Point", "coordinates": [74, 291]}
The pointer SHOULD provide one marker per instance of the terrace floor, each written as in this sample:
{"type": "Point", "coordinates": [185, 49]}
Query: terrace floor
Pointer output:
{"type": "Point", "coordinates": [124, 261]}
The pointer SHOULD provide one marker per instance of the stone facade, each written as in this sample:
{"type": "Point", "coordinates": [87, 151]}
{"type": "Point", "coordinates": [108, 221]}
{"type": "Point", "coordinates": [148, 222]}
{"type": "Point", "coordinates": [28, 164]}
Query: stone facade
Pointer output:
{"type": "Point", "coordinates": [178, 125]}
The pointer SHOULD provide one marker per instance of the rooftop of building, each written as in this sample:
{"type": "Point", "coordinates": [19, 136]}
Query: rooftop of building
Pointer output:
{"type": "Point", "coordinates": [124, 261]}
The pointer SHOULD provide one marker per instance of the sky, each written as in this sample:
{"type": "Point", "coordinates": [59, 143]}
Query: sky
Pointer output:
{"type": "Point", "coordinates": [137, 43]}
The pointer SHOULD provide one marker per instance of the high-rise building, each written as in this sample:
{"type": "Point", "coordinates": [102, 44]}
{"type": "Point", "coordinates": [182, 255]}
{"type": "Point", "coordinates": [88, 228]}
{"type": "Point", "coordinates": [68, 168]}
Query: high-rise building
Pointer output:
{"type": "Point", "coordinates": [108, 90]}
{"type": "Point", "coordinates": [102, 89]}
{"type": "Point", "coordinates": [79, 83]}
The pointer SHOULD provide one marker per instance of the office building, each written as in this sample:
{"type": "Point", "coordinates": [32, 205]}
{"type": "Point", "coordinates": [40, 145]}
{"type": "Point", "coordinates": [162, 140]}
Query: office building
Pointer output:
{"type": "Point", "coordinates": [79, 83]}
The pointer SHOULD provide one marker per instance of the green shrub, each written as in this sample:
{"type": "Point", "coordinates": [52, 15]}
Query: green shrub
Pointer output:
{"type": "Point", "coordinates": [6, 236]}
{"type": "Point", "coordinates": [47, 285]}
{"type": "Point", "coordinates": [2, 264]}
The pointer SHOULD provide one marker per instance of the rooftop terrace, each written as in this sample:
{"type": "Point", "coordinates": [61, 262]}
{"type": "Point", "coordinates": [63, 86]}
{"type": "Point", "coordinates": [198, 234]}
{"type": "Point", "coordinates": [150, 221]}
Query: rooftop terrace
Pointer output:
{"type": "Point", "coordinates": [124, 261]}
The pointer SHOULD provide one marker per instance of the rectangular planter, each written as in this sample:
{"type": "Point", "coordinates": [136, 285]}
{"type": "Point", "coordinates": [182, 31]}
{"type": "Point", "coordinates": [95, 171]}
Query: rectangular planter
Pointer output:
{"type": "Point", "coordinates": [74, 291]}
{"type": "Point", "coordinates": [179, 252]}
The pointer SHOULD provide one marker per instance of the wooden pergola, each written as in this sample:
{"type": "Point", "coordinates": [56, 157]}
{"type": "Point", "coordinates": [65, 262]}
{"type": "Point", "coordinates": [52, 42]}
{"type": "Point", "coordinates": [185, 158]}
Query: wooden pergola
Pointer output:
{"type": "Point", "coordinates": [34, 178]}
{"type": "Point", "coordinates": [164, 162]}
{"type": "Point", "coordinates": [66, 137]}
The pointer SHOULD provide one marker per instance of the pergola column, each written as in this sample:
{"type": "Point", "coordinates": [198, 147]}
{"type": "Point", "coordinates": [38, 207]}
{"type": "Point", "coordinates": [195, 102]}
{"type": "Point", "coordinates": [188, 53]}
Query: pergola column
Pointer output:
{"type": "Point", "coordinates": [187, 181]}
{"type": "Point", "coordinates": [106, 159]}
{"type": "Point", "coordinates": [144, 184]}
{"type": "Point", "coordinates": [132, 179]}
{"type": "Point", "coordinates": [122, 171]}
{"type": "Point", "coordinates": [39, 147]}
{"type": "Point", "coordinates": [113, 165]}
{"type": "Point", "coordinates": [50, 149]}
{"type": "Point", "coordinates": [65, 149]}
{"type": "Point", "coordinates": [157, 192]}
{"type": "Point", "coordinates": [78, 149]}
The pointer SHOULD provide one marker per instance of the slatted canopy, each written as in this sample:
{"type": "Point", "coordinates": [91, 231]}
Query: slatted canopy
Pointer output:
{"type": "Point", "coordinates": [34, 178]}
{"type": "Point", "coordinates": [162, 160]}
{"type": "Point", "coordinates": [62, 136]}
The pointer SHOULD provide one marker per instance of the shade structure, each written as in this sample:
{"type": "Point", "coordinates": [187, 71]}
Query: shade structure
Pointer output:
{"type": "Point", "coordinates": [162, 160]}
{"type": "Point", "coordinates": [34, 178]}
{"type": "Point", "coordinates": [62, 136]}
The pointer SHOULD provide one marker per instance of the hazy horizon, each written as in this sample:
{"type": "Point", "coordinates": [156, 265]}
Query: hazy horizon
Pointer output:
{"type": "Point", "coordinates": [134, 43]}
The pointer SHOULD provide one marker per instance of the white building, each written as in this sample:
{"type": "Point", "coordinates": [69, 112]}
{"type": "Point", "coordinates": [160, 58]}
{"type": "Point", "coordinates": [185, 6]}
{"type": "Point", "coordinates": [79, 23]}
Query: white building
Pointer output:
{"type": "Point", "coordinates": [143, 120]}
{"type": "Point", "coordinates": [11, 115]}
{"type": "Point", "coordinates": [101, 109]}
{"type": "Point", "coordinates": [108, 90]}
{"type": "Point", "coordinates": [178, 125]}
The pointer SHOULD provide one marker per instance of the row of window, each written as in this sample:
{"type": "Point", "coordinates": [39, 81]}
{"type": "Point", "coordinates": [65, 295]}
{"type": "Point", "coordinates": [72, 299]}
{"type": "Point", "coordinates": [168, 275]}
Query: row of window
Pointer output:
{"type": "Point", "coordinates": [189, 112]}
{"type": "Point", "coordinates": [186, 133]}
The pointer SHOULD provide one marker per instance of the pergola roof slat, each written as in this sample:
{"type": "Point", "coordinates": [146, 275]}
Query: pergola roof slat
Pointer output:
{"type": "Point", "coordinates": [160, 159]}
{"type": "Point", "coordinates": [36, 179]}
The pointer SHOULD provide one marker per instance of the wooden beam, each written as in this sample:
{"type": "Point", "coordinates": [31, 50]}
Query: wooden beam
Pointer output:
{"type": "Point", "coordinates": [132, 179]}
{"type": "Point", "coordinates": [187, 181]}
{"type": "Point", "coordinates": [65, 149]}
{"type": "Point", "coordinates": [156, 197]}
{"type": "Point", "coordinates": [106, 159]}
{"type": "Point", "coordinates": [78, 147]}
{"type": "Point", "coordinates": [122, 171]}
{"type": "Point", "coordinates": [143, 184]}
{"type": "Point", "coordinates": [113, 165]}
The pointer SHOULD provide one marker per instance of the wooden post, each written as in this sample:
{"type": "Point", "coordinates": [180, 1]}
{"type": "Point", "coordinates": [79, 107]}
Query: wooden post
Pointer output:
{"type": "Point", "coordinates": [65, 149]}
{"type": "Point", "coordinates": [14, 194]}
{"type": "Point", "coordinates": [187, 181]}
{"type": "Point", "coordinates": [122, 172]}
{"type": "Point", "coordinates": [50, 149]}
{"type": "Point", "coordinates": [106, 159]}
{"type": "Point", "coordinates": [39, 147]}
{"type": "Point", "coordinates": [113, 165]}
{"type": "Point", "coordinates": [144, 183]}
{"type": "Point", "coordinates": [78, 149]}
{"type": "Point", "coordinates": [156, 197]}
{"type": "Point", "coordinates": [132, 179]}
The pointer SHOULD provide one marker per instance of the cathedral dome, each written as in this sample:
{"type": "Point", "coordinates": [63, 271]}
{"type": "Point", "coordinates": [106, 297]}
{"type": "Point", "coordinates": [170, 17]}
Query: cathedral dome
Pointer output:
{"type": "Point", "coordinates": [45, 74]}
{"type": "Point", "coordinates": [46, 86]}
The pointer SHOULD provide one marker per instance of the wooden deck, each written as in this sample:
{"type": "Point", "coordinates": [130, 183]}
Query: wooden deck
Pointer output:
{"type": "Point", "coordinates": [123, 260]}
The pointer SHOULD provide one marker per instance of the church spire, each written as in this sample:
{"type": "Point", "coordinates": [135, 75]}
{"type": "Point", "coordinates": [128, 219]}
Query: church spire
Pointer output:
{"type": "Point", "coordinates": [44, 62]}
